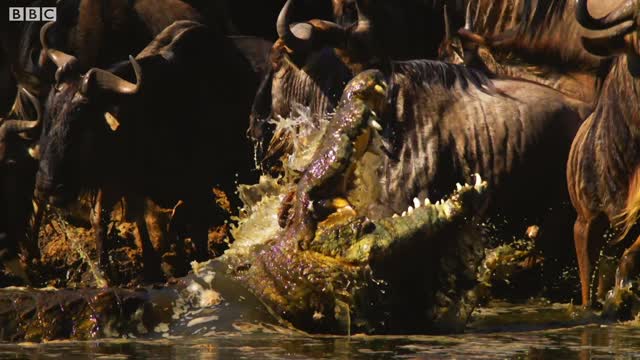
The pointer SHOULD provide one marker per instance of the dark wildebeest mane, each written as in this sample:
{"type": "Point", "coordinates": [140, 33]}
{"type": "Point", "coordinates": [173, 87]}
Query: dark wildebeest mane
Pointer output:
{"type": "Point", "coordinates": [437, 73]}
{"type": "Point", "coordinates": [533, 30]}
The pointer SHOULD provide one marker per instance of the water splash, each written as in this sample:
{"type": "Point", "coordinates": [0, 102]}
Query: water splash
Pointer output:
{"type": "Point", "coordinates": [305, 132]}
{"type": "Point", "coordinates": [63, 227]}
{"type": "Point", "coordinates": [257, 146]}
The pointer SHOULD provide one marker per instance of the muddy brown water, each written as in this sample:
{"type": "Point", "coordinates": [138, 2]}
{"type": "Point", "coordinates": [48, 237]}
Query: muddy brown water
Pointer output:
{"type": "Point", "coordinates": [537, 330]}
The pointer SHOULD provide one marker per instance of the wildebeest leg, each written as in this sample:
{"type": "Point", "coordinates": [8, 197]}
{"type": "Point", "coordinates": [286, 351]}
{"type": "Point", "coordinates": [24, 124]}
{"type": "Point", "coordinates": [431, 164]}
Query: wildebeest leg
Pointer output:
{"type": "Point", "coordinates": [22, 213]}
{"type": "Point", "coordinates": [176, 231]}
{"type": "Point", "coordinates": [588, 238]}
{"type": "Point", "coordinates": [100, 218]}
{"type": "Point", "coordinates": [157, 223]}
{"type": "Point", "coordinates": [31, 244]}
{"type": "Point", "coordinates": [198, 206]}
{"type": "Point", "coordinates": [152, 270]}
{"type": "Point", "coordinates": [628, 264]}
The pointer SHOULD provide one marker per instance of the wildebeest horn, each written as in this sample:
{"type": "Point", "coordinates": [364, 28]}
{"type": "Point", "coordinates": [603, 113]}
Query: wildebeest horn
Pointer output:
{"type": "Point", "coordinates": [300, 36]}
{"type": "Point", "coordinates": [611, 43]}
{"type": "Point", "coordinates": [624, 12]}
{"type": "Point", "coordinates": [58, 57]}
{"type": "Point", "coordinates": [447, 29]}
{"type": "Point", "coordinates": [107, 81]}
{"type": "Point", "coordinates": [284, 20]}
{"type": "Point", "coordinates": [364, 23]}
{"type": "Point", "coordinates": [16, 126]}
{"type": "Point", "coordinates": [62, 60]}
{"type": "Point", "coordinates": [467, 17]}
{"type": "Point", "coordinates": [36, 105]}
{"type": "Point", "coordinates": [296, 38]}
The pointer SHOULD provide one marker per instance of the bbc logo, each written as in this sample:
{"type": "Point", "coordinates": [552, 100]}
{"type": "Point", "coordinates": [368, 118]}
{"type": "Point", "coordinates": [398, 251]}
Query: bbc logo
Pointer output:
{"type": "Point", "coordinates": [32, 14]}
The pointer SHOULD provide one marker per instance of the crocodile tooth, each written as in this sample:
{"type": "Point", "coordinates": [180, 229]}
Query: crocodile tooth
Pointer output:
{"type": "Point", "coordinates": [458, 186]}
{"type": "Point", "coordinates": [427, 201]}
{"type": "Point", "coordinates": [376, 125]}
{"type": "Point", "coordinates": [395, 216]}
{"type": "Point", "coordinates": [416, 202]}
{"type": "Point", "coordinates": [447, 209]}
{"type": "Point", "coordinates": [478, 180]}
{"type": "Point", "coordinates": [438, 203]}
{"type": "Point", "coordinates": [34, 152]}
{"type": "Point", "coordinates": [409, 210]}
{"type": "Point", "coordinates": [404, 213]}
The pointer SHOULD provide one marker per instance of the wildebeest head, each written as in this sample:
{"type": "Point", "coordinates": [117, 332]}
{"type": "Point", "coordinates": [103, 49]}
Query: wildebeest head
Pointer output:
{"type": "Point", "coordinates": [311, 63]}
{"type": "Point", "coordinates": [10, 128]}
{"type": "Point", "coordinates": [80, 114]}
{"type": "Point", "coordinates": [619, 32]}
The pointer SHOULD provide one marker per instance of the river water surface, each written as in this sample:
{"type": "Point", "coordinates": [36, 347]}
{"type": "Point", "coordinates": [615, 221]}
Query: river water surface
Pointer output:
{"type": "Point", "coordinates": [500, 331]}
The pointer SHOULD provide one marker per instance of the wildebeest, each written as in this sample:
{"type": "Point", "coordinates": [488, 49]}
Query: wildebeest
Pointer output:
{"type": "Point", "coordinates": [538, 41]}
{"type": "Point", "coordinates": [17, 175]}
{"type": "Point", "coordinates": [255, 18]}
{"type": "Point", "coordinates": [154, 136]}
{"type": "Point", "coordinates": [442, 124]}
{"type": "Point", "coordinates": [310, 63]}
{"type": "Point", "coordinates": [97, 33]}
{"type": "Point", "coordinates": [604, 163]}
{"type": "Point", "coordinates": [83, 28]}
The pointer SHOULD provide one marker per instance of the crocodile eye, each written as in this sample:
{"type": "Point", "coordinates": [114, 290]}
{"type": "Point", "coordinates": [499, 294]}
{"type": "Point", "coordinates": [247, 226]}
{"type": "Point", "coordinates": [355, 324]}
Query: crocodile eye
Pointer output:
{"type": "Point", "coordinates": [368, 226]}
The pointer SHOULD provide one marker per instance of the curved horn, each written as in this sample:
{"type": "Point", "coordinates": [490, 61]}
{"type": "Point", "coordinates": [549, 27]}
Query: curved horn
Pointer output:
{"type": "Point", "coordinates": [36, 104]}
{"type": "Point", "coordinates": [108, 81]}
{"type": "Point", "coordinates": [447, 30]}
{"type": "Point", "coordinates": [624, 12]}
{"type": "Point", "coordinates": [61, 59]}
{"type": "Point", "coordinates": [17, 126]}
{"type": "Point", "coordinates": [467, 17]}
{"type": "Point", "coordinates": [43, 35]}
{"type": "Point", "coordinates": [297, 37]}
{"type": "Point", "coordinates": [610, 44]}
{"type": "Point", "coordinates": [364, 23]}
{"type": "Point", "coordinates": [284, 20]}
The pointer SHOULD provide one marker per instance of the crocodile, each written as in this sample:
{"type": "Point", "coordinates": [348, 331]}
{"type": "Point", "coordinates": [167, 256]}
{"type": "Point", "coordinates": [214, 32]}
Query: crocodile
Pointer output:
{"type": "Point", "coordinates": [326, 269]}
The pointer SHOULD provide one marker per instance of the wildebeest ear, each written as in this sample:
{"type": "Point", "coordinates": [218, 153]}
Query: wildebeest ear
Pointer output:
{"type": "Point", "coordinates": [112, 121]}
